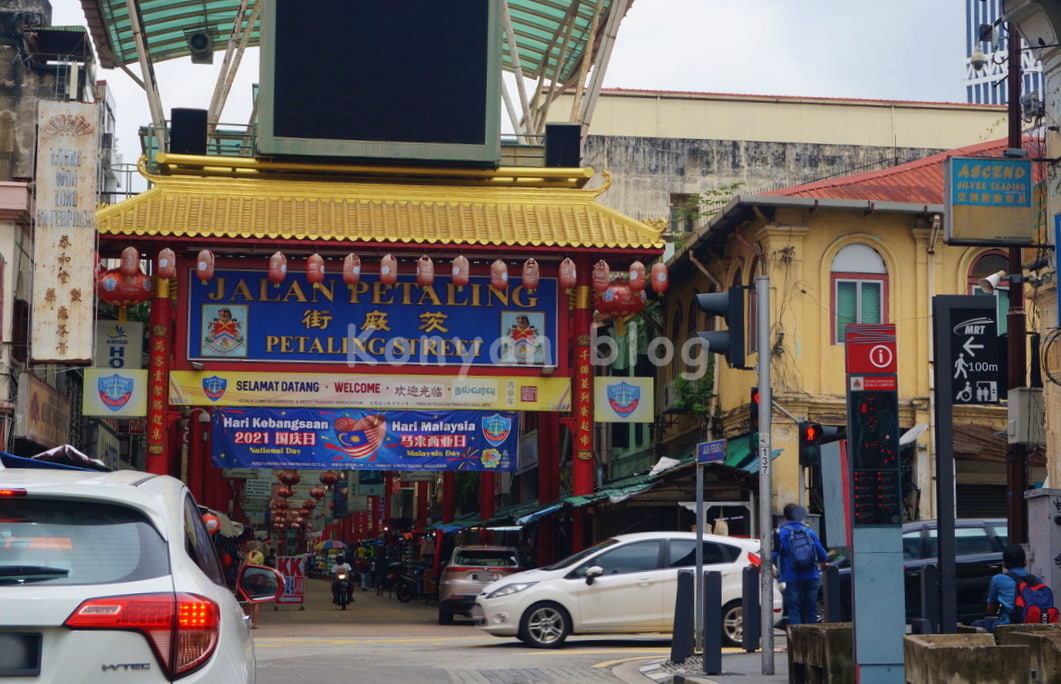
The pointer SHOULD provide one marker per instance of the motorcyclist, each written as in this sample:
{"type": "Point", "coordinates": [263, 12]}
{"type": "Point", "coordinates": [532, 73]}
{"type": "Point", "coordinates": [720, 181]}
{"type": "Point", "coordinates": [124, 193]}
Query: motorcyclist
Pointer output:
{"type": "Point", "coordinates": [341, 567]}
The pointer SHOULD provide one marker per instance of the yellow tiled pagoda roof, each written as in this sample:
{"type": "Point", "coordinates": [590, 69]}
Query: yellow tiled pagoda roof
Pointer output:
{"type": "Point", "coordinates": [528, 207]}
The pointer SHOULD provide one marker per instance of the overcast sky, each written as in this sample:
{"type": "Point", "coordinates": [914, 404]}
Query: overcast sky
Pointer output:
{"type": "Point", "coordinates": [894, 50]}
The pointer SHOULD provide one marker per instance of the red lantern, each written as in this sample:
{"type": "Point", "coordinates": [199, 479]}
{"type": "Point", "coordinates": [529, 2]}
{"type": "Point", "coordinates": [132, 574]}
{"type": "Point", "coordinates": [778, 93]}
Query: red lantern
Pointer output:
{"type": "Point", "coordinates": [659, 277]}
{"type": "Point", "coordinates": [388, 270]}
{"type": "Point", "coordinates": [277, 268]}
{"type": "Point", "coordinates": [212, 522]}
{"type": "Point", "coordinates": [123, 291]}
{"type": "Point", "coordinates": [309, 504]}
{"type": "Point", "coordinates": [425, 271]}
{"type": "Point", "coordinates": [295, 525]}
{"type": "Point", "coordinates": [637, 276]}
{"type": "Point", "coordinates": [318, 492]}
{"type": "Point", "coordinates": [329, 477]}
{"type": "Point", "coordinates": [461, 271]}
{"type": "Point", "coordinates": [568, 275]}
{"type": "Point", "coordinates": [620, 300]}
{"type": "Point", "coordinates": [285, 492]}
{"type": "Point", "coordinates": [204, 265]}
{"type": "Point", "coordinates": [289, 477]}
{"type": "Point", "coordinates": [315, 270]}
{"type": "Point", "coordinates": [531, 274]}
{"type": "Point", "coordinates": [278, 504]}
{"type": "Point", "coordinates": [129, 264]}
{"type": "Point", "coordinates": [498, 275]}
{"type": "Point", "coordinates": [303, 513]}
{"type": "Point", "coordinates": [351, 269]}
{"type": "Point", "coordinates": [279, 526]}
{"type": "Point", "coordinates": [167, 263]}
{"type": "Point", "coordinates": [601, 275]}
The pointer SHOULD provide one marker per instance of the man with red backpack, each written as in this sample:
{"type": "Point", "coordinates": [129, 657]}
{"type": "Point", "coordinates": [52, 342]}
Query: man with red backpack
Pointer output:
{"type": "Point", "coordinates": [1015, 596]}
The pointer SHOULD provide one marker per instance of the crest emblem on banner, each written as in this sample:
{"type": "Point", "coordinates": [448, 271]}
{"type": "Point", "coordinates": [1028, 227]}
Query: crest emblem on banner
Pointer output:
{"type": "Point", "coordinates": [115, 391]}
{"type": "Point", "coordinates": [496, 429]}
{"type": "Point", "coordinates": [360, 438]}
{"type": "Point", "coordinates": [624, 398]}
{"type": "Point", "coordinates": [214, 387]}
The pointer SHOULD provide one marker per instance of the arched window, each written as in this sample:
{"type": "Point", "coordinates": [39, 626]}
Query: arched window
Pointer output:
{"type": "Point", "coordinates": [986, 265]}
{"type": "Point", "coordinates": [859, 288]}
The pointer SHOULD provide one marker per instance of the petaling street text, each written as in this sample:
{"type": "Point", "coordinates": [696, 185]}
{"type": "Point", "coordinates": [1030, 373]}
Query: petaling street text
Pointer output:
{"type": "Point", "coordinates": [428, 347]}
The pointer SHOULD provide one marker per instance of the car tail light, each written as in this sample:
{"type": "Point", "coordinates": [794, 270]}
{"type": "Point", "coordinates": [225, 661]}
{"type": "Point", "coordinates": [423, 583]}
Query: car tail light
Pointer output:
{"type": "Point", "coordinates": [754, 560]}
{"type": "Point", "coordinates": [181, 628]}
{"type": "Point", "coordinates": [8, 491]}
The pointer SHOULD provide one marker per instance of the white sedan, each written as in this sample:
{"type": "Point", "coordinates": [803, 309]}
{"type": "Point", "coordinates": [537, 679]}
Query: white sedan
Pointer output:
{"type": "Point", "coordinates": [625, 584]}
{"type": "Point", "coordinates": [113, 576]}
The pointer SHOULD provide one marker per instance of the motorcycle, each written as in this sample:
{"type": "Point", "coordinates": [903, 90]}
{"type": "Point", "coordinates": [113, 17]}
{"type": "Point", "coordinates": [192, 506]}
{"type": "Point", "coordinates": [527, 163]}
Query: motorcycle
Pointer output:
{"type": "Point", "coordinates": [342, 590]}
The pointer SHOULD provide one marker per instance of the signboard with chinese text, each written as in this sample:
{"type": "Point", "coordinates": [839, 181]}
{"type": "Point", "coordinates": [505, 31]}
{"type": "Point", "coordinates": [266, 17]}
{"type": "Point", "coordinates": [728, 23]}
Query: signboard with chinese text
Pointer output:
{"type": "Point", "coordinates": [988, 201]}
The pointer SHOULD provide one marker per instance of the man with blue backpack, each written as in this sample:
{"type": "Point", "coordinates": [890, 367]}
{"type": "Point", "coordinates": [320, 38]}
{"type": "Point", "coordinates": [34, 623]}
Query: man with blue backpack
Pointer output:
{"type": "Point", "coordinates": [798, 554]}
{"type": "Point", "coordinates": [1016, 596]}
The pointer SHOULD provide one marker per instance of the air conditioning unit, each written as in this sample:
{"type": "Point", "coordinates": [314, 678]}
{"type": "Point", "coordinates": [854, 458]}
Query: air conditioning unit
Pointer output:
{"type": "Point", "coordinates": [672, 398]}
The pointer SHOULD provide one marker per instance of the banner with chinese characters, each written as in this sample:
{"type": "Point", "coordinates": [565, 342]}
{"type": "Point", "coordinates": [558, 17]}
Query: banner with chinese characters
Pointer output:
{"type": "Point", "coordinates": [342, 390]}
{"type": "Point", "coordinates": [240, 315]}
{"type": "Point", "coordinates": [365, 439]}
{"type": "Point", "coordinates": [619, 399]}
{"type": "Point", "coordinates": [64, 246]}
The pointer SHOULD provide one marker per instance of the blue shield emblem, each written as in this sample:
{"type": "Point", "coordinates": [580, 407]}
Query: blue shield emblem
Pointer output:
{"type": "Point", "coordinates": [624, 398]}
{"type": "Point", "coordinates": [496, 429]}
{"type": "Point", "coordinates": [114, 391]}
{"type": "Point", "coordinates": [214, 387]}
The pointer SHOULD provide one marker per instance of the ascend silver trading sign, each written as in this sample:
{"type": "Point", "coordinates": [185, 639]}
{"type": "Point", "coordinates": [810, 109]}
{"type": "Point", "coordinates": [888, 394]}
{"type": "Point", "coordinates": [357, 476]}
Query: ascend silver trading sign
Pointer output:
{"type": "Point", "coordinates": [62, 317]}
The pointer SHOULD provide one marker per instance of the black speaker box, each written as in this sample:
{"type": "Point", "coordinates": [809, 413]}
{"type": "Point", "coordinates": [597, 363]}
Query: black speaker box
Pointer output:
{"type": "Point", "coordinates": [187, 132]}
{"type": "Point", "coordinates": [563, 145]}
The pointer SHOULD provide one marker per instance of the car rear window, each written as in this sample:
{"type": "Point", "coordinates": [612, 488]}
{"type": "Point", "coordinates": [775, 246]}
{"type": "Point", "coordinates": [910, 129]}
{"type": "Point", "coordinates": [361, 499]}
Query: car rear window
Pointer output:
{"type": "Point", "coordinates": [486, 558]}
{"type": "Point", "coordinates": [94, 543]}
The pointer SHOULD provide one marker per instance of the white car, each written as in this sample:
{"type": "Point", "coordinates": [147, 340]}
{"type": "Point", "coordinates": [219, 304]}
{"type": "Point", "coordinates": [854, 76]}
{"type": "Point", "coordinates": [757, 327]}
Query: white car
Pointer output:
{"type": "Point", "coordinates": [113, 576]}
{"type": "Point", "coordinates": [625, 584]}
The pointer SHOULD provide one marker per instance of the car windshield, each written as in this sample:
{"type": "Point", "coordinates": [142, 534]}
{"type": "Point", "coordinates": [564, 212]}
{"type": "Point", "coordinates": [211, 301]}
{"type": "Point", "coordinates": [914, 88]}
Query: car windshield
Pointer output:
{"type": "Point", "coordinates": [577, 557]}
{"type": "Point", "coordinates": [57, 541]}
{"type": "Point", "coordinates": [494, 558]}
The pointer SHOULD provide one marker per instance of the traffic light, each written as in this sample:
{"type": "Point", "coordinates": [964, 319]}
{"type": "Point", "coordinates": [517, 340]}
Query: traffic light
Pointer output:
{"type": "Point", "coordinates": [811, 438]}
{"type": "Point", "coordinates": [753, 421]}
{"type": "Point", "coordinates": [730, 342]}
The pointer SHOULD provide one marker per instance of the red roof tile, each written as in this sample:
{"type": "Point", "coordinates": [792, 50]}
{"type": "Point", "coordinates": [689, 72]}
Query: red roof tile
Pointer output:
{"type": "Point", "coordinates": [916, 182]}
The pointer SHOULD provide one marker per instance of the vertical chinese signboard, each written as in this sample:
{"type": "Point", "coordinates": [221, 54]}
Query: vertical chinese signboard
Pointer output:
{"type": "Point", "coordinates": [65, 233]}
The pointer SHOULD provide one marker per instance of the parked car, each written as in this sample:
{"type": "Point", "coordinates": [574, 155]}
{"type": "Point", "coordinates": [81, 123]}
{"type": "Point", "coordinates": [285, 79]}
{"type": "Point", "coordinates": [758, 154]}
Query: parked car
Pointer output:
{"type": "Point", "coordinates": [625, 584]}
{"type": "Point", "coordinates": [978, 545]}
{"type": "Point", "coordinates": [468, 570]}
{"type": "Point", "coordinates": [114, 574]}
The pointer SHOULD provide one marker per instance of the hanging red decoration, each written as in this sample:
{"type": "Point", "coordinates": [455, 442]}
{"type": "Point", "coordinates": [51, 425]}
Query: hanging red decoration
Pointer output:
{"type": "Point", "coordinates": [279, 526]}
{"type": "Point", "coordinates": [277, 268]}
{"type": "Point", "coordinates": [351, 269]}
{"type": "Point", "coordinates": [167, 263]}
{"type": "Point", "coordinates": [123, 291]}
{"type": "Point", "coordinates": [660, 280]}
{"type": "Point", "coordinates": [425, 271]}
{"type": "Point", "coordinates": [285, 492]}
{"type": "Point", "coordinates": [295, 525]}
{"type": "Point", "coordinates": [568, 274]}
{"type": "Point", "coordinates": [637, 276]}
{"type": "Point", "coordinates": [315, 270]}
{"type": "Point", "coordinates": [620, 300]}
{"type": "Point", "coordinates": [602, 275]}
{"type": "Point", "coordinates": [499, 275]}
{"type": "Point", "coordinates": [531, 274]}
{"type": "Point", "coordinates": [279, 504]}
{"type": "Point", "coordinates": [289, 477]}
{"type": "Point", "coordinates": [388, 270]}
{"type": "Point", "coordinates": [309, 504]}
{"type": "Point", "coordinates": [204, 265]}
{"type": "Point", "coordinates": [329, 477]}
{"type": "Point", "coordinates": [129, 263]}
{"type": "Point", "coordinates": [461, 270]}
{"type": "Point", "coordinates": [303, 513]}
{"type": "Point", "coordinates": [318, 492]}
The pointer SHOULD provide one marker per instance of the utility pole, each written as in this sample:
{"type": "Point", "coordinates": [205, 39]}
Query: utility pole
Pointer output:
{"type": "Point", "coordinates": [1016, 456]}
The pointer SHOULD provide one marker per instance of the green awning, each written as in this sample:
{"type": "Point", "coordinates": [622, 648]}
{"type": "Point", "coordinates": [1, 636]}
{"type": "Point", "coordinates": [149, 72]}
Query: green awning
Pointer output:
{"type": "Point", "coordinates": [739, 454]}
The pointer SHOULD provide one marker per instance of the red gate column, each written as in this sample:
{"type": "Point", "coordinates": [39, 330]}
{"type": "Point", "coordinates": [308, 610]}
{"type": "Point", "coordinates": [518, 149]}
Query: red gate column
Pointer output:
{"type": "Point", "coordinates": [158, 458]}
{"type": "Point", "coordinates": [582, 464]}
{"type": "Point", "coordinates": [548, 483]}
{"type": "Point", "coordinates": [449, 491]}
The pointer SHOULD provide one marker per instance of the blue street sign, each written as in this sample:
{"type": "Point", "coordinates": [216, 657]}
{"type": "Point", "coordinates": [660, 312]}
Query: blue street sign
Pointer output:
{"type": "Point", "coordinates": [711, 452]}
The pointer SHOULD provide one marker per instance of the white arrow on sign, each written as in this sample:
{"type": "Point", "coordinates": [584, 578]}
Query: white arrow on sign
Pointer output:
{"type": "Point", "coordinates": [969, 346]}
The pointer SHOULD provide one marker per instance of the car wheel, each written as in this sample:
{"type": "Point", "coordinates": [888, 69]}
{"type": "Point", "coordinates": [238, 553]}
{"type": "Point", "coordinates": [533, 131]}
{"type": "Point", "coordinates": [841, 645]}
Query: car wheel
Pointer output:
{"type": "Point", "coordinates": [544, 625]}
{"type": "Point", "coordinates": [445, 616]}
{"type": "Point", "coordinates": [732, 624]}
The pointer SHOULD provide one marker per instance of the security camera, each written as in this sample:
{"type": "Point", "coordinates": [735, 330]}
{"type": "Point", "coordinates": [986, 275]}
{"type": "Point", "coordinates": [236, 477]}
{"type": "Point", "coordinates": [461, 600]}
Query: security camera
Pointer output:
{"type": "Point", "coordinates": [978, 60]}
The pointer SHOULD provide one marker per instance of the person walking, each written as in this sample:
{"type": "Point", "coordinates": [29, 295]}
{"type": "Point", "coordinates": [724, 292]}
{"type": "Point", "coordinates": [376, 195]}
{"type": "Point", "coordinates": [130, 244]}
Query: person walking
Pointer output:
{"type": "Point", "coordinates": [1002, 591]}
{"type": "Point", "coordinates": [253, 556]}
{"type": "Point", "coordinates": [799, 556]}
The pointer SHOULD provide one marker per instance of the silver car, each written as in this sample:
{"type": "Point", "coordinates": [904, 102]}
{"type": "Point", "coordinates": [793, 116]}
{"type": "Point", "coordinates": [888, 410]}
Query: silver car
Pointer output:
{"type": "Point", "coordinates": [114, 575]}
{"type": "Point", "coordinates": [469, 569]}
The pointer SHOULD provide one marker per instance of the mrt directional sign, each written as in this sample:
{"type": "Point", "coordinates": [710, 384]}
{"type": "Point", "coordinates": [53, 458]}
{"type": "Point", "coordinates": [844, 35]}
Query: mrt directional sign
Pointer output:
{"type": "Point", "coordinates": [974, 353]}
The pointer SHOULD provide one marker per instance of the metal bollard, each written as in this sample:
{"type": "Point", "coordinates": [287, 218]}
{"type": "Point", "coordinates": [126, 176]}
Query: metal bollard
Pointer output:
{"type": "Point", "coordinates": [682, 642]}
{"type": "Point", "coordinates": [713, 625]}
{"type": "Point", "coordinates": [930, 598]}
{"type": "Point", "coordinates": [751, 620]}
{"type": "Point", "coordinates": [831, 594]}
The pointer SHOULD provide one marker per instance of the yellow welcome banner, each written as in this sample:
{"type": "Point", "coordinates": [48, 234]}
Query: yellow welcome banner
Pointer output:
{"type": "Point", "coordinates": [354, 390]}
